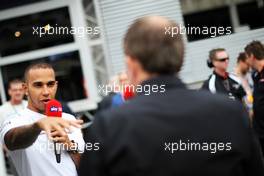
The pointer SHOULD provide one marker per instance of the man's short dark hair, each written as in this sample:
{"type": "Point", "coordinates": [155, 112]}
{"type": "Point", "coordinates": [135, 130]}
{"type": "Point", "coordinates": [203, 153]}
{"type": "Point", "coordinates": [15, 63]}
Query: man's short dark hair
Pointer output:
{"type": "Point", "coordinates": [155, 50]}
{"type": "Point", "coordinates": [256, 48]}
{"type": "Point", "coordinates": [241, 57]}
{"type": "Point", "coordinates": [36, 66]}
{"type": "Point", "coordinates": [212, 53]}
{"type": "Point", "coordinates": [14, 81]}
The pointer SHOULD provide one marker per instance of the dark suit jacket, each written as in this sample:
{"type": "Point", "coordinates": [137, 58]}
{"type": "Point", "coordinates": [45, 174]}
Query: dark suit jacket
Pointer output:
{"type": "Point", "coordinates": [258, 104]}
{"type": "Point", "coordinates": [135, 138]}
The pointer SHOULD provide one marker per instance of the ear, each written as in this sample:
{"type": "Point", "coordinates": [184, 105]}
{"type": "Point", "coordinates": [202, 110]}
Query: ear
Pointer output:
{"type": "Point", "coordinates": [131, 68]}
{"type": "Point", "coordinates": [25, 88]}
{"type": "Point", "coordinates": [132, 63]}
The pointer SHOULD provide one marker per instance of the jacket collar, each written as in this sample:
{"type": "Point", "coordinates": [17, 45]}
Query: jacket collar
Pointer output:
{"type": "Point", "coordinates": [222, 77]}
{"type": "Point", "coordinates": [166, 81]}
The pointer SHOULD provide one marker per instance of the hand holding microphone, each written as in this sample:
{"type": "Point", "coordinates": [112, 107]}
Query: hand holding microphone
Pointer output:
{"type": "Point", "coordinates": [58, 124]}
{"type": "Point", "coordinates": [55, 126]}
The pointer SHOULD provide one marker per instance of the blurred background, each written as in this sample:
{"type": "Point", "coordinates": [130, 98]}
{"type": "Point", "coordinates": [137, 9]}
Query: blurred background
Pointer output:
{"type": "Point", "coordinates": [82, 63]}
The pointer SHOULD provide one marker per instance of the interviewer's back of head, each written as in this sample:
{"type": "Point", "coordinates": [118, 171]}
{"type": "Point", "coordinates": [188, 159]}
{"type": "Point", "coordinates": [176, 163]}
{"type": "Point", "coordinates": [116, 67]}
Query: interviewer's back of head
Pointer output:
{"type": "Point", "coordinates": [157, 51]}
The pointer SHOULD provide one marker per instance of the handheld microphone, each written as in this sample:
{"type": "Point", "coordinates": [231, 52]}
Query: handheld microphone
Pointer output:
{"type": "Point", "coordinates": [54, 109]}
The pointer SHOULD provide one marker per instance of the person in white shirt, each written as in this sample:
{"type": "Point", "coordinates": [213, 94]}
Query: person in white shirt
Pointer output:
{"type": "Point", "coordinates": [29, 135]}
{"type": "Point", "coordinates": [243, 73]}
{"type": "Point", "coordinates": [12, 107]}
{"type": "Point", "coordinates": [16, 102]}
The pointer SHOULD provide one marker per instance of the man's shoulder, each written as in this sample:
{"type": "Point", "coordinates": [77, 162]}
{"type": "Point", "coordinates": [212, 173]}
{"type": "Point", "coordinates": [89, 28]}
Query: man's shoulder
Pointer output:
{"type": "Point", "coordinates": [192, 104]}
{"type": "Point", "coordinates": [142, 102]}
{"type": "Point", "coordinates": [5, 105]}
{"type": "Point", "coordinates": [180, 97]}
{"type": "Point", "coordinates": [23, 113]}
{"type": "Point", "coordinates": [14, 120]}
{"type": "Point", "coordinates": [8, 107]}
{"type": "Point", "coordinates": [6, 112]}
{"type": "Point", "coordinates": [205, 84]}
{"type": "Point", "coordinates": [117, 115]}
{"type": "Point", "coordinates": [212, 99]}
{"type": "Point", "coordinates": [219, 105]}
